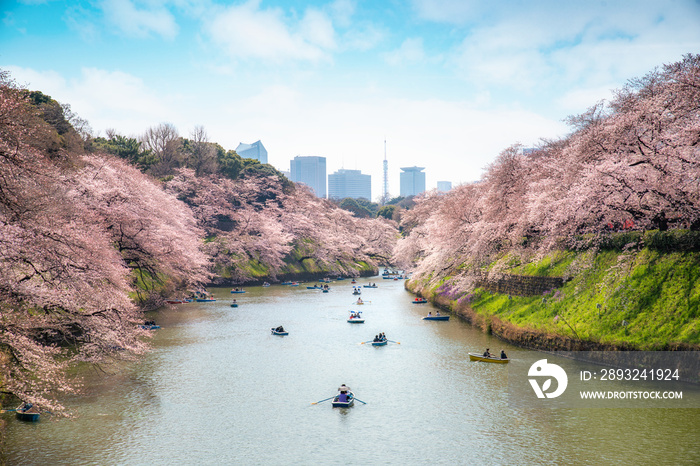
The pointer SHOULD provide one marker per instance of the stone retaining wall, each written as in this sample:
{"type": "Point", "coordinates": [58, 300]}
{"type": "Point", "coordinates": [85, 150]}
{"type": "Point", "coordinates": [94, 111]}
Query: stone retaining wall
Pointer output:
{"type": "Point", "coordinates": [519, 285]}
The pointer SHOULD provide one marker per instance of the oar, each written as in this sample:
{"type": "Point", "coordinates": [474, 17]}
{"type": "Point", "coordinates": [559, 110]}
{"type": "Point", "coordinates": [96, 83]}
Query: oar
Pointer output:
{"type": "Point", "coordinates": [397, 342]}
{"type": "Point", "coordinates": [360, 401]}
{"type": "Point", "coordinates": [317, 402]}
{"type": "Point", "coordinates": [11, 410]}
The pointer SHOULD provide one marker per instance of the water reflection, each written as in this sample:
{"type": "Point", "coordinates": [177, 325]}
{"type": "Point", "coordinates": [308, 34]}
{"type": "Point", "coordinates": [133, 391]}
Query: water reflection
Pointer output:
{"type": "Point", "coordinates": [218, 388]}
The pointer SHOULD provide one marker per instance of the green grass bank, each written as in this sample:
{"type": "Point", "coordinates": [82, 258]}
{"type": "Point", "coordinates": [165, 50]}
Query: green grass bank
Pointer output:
{"type": "Point", "coordinates": [643, 298]}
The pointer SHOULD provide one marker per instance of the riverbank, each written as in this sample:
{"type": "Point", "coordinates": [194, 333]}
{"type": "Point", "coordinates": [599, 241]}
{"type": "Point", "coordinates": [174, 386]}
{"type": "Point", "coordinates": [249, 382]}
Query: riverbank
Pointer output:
{"type": "Point", "coordinates": [606, 300]}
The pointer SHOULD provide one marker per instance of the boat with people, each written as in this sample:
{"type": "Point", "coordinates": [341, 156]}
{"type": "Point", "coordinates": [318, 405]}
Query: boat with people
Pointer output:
{"type": "Point", "coordinates": [420, 301]}
{"type": "Point", "coordinates": [371, 285]}
{"type": "Point", "coordinates": [150, 325]}
{"type": "Point", "coordinates": [380, 340]}
{"type": "Point", "coordinates": [203, 297]}
{"type": "Point", "coordinates": [279, 331]}
{"type": "Point", "coordinates": [234, 304]}
{"type": "Point", "coordinates": [27, 412]}
{"type": "Point", "coordinates": [492, 358]}
{"type": "Point", "coordinates": [430, 316]}
{"type": "Point", "coordinates": [179, 301]}
{"type": "Point", "coordinates": [315, 287]}
{"type": "Point", "coordinates": [238, 290]}
{"type": "Point", "coordinates": [356, 318]}
{"type": "Point", "coordinates": [266, 284]}
{"type": "Point", "coordinates": [344, 399]}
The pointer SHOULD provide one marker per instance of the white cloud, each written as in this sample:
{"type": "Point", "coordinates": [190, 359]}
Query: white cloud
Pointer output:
{"type": "Point", "coordinates": [547, 49]}
{"type": "Point", "coordinates": [106, 99]}
{"type": "Point", "coordinates": [410, 51]}
{"type": "Point", "coordinates": [247, 32]}
{"type": "Point", "coordinates": [317, 28]}
{"type": "Point", "coordinates": [139, 22]}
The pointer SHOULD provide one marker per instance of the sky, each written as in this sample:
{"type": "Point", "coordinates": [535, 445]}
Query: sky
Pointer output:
{"type": "Point", "coordinates": [448, 84]}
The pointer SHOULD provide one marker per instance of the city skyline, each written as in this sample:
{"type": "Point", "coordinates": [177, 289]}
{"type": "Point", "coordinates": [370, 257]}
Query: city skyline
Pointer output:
{"type": "Point", "coordinates": [455, 82]}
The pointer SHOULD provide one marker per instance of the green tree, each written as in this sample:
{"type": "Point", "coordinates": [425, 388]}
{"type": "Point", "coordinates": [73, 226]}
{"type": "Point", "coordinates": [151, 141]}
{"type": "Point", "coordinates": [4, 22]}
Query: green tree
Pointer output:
{"type": "Point", "coordinates": [387, 211]}
{"type": "Point", "coordinates": [352, 205]}
{"type": "Point", "coordinates": [230, 163]}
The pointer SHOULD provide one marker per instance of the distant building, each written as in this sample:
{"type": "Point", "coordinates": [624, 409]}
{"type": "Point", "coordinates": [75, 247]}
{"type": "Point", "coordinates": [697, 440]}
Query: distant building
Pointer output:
{"type": "Point", "coordinates": [349, 183]}
{"type": "Point", "coordinates": [529, 150]}
{"type": "Point", "coordinates": [311, 171]}
{"type": "Point", "coordinates": [255, 151]}
{"type": "Point", "coordinates": [444, 186]}
{"type": "Point", "coordinates": [412, 181]}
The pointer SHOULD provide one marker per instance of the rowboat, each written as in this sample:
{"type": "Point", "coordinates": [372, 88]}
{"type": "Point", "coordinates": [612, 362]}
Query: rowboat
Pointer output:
{"type": "Point", "coordinates": [380, 343]}
{"type": "Point", "coordinates": [175, 301]}
{"type": "Point", "coordinates": [343, 400]}
{"type": "Point", "coordinates": [237, 291]}
{"type": "Point", "coordinates": [150, 327]}
{"type": "Point", "coordinates": [436, 318]}
{"type": "Point", "coordinates": [205, 300]}
{"type": "Point", "coordinates": [355, 318]}
{"type": "Point", "coordinates": [234, 304]}
{"type": "Point", "coordinates": [315, 287]}
{"type": "Point", "coordinates": [27, 412]}
{"type": "Point", "coordinates": [326, 290]}
{"type": "Point", "coordinates": [482, 358]}
{"type": "Point", "coordinates": [419, 301]}
{"type": "Point", "coordinates": [369, 286]}
{"type": "Point", "coordinates": [266, 284]}
{"type": "Point", "coordinates": [282, 333]}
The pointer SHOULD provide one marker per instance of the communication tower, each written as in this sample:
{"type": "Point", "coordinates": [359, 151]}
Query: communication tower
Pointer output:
{"type": "Point", "coordinates": [385, 184]}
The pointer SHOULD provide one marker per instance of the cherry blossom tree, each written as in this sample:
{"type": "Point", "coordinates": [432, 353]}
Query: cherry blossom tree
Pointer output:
{"type": "Point", "coordinates": [631, 163]}
{"type": "Point", "coordinates": [74, 230]}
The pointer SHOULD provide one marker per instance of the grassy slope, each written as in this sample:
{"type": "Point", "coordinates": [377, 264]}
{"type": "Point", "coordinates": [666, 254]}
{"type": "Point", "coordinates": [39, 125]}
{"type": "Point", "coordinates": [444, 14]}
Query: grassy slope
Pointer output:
{"type": "Point", "coordinates": [656, 294]}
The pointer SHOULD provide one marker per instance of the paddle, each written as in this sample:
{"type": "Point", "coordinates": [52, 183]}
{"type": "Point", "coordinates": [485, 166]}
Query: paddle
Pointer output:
{"type": "Point", "coordinates": [397, 342]}
{"type": "Point", "coordinates": [360, 401]}
{"type": "Point", "coordinates": [317, 402]}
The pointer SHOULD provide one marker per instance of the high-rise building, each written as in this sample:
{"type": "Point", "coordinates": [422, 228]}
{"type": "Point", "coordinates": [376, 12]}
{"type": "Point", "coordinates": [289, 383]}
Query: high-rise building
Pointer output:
{"type": "Point", "coordinates": [255, 151]}
{"type": "Point", "coordinates": [412, 181]}
{"type": "Point", "coordinates": [444, 186]}
{"type": "Point", "coordinates": [311, 171]}
{"type": "Point", "coordinates": [349, 183]}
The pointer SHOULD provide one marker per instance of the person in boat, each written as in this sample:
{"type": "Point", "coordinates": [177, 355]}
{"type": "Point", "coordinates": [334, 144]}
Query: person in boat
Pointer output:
{"type": "Point", "coordinates": [343, 393]}
{"type": "Point", "coordinates": [487, 353]}
{"type": "Point", "coordinates": [503, 355]}
{"type": "Point", "coordinates": [359, 301]}
{"type": "Point", "coordinates": [437, 313]}
{"type": "Point", "coordinates": [376, 338]}
{"type": "Point", "coordinates": [382, 337]}
{"type": "Point", "coordinates": [279, 329]}
{"type": "Point", "coordinates": [430, 314]}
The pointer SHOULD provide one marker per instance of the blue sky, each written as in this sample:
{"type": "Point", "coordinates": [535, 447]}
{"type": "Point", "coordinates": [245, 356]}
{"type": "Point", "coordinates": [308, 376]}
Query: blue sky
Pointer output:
{"type": "Point", "coordinates": [448, 84]}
